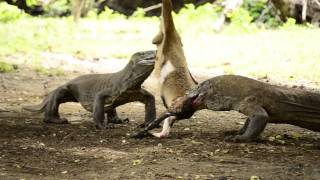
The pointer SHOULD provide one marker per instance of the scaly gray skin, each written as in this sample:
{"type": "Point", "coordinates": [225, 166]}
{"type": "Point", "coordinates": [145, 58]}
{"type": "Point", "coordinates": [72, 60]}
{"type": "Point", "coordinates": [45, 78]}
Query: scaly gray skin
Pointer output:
{"type": "Point", "coordinates": [261, 102]}
{"type": "Point", "coordinates": [102, 93]}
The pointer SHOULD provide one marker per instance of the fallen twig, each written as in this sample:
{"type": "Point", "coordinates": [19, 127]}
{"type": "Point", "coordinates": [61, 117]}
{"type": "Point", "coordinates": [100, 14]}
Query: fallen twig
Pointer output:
{"type": "Point", "coordinates": [150, 8]}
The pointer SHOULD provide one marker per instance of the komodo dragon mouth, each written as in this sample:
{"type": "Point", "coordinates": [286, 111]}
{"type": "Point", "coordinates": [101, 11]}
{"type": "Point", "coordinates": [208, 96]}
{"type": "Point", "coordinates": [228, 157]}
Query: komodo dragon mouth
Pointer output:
{"type": "Point", "coordinates": [147, 61]}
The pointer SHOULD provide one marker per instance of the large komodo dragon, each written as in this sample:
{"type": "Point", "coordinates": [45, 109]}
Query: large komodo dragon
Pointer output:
{"type": "Point", "coordinates": [261, 102]}
{"type": "Point", "coordinates": [171, 67]}
{"type": "Point", "coordinates": [102, 93]}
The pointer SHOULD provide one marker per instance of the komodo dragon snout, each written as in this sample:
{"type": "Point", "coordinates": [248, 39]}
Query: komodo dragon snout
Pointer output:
{"type": "Point", "coordinates": [148, 59]}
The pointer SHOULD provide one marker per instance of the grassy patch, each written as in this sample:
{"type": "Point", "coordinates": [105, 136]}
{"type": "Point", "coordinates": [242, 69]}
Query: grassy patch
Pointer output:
{"type": "Point", "coordinates": [6, 67]}
{"type": "Point", "coordinates": [49, 71]}
{"type": "Point", "coordinates": [290, 52]}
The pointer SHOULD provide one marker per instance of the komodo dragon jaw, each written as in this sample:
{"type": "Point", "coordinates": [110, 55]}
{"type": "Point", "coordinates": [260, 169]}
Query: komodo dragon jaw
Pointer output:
{"type": "Point", "coordinates": [144, 64]}
{"type": "Point", "coordinates": [149, 58]}
{"type": "Point", "coordinates": [147, 62]}
{"type": "Point", "coordinates": [182, 108]}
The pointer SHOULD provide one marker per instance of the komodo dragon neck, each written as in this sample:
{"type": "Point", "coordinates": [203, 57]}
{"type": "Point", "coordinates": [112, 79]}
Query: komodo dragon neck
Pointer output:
{"type": "Point", "coordinates": [130, 78]}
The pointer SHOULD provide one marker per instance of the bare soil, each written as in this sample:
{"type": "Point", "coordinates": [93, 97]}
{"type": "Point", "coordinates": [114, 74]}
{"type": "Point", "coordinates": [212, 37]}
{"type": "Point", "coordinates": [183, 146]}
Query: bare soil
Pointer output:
{"type": "Point", "coordinates": [31, 149]}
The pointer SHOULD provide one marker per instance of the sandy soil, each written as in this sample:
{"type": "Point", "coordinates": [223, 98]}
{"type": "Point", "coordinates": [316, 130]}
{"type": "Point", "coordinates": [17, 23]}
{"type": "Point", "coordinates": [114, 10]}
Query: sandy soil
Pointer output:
{"type": "Point", "coordinates": [31, 149]}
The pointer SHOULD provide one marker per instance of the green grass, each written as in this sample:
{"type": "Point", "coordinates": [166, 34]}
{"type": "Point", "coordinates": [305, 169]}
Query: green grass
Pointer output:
{"type": "Point", "coordinates": [284, 54]}
{"type": "Point", "coordinates": [290, 52]}
{"type": "Point", "coordinates": [6, 67]}
{"type": "Point", "coordinates": [49, 71]}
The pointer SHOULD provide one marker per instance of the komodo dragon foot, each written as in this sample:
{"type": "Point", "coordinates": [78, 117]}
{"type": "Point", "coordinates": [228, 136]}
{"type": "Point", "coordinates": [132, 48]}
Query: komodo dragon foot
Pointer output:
{"type": "Point", "coordinates": [143, 125]}
{"type": "Point", "coordinates": [236, 138]}
{"type": "Point", "coordinates": [102, 126]}
{"type": "Point", "coordinates": [56, 120]}
{"type": "Point", "coordinates": [119, 120]}
{"type": "Point", "coordinates": [231, 133]}
{"type": "Point", "coordinates": [239, 138]}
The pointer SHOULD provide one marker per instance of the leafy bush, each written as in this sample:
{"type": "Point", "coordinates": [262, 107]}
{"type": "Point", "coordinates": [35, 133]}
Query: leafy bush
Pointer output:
{"type": "Point", "coordinates": [259, 8]}
{"type": "Point", "coordinates": [32, 2]}
{"type": "Point", "coordinates": [240, 17]}
{"type": "Point", "coordinates": [139, 13]}
{"type": "Point", "coordinates": [58, 8]}
{"type": "Point", "coordinates": [204, 12]}
{"type": "Point", "coordinates": [255, 7]}
{"type": "Point", "coordinates": [289, 23]}
{"type": "Point", "coordinates": [110, 14]}
{"type": "Point", "coordinates": [9, 12]}
{"type": "Point", "coordinates": [198, 20]}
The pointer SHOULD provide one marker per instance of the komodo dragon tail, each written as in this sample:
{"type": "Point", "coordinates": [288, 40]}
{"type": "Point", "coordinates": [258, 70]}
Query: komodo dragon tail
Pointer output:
{"type": "Point", "coordinates": [39, 108]}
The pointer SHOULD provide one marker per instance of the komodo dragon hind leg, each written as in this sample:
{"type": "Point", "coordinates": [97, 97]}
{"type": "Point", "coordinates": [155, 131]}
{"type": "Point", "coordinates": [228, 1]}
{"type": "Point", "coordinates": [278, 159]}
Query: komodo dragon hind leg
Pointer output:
{"type": "Point", "coordinates": [58, 96]}
{"type": "Point", "coordinates": [112, 117]}
{"type": "Point", "coordinates": [257, 121]}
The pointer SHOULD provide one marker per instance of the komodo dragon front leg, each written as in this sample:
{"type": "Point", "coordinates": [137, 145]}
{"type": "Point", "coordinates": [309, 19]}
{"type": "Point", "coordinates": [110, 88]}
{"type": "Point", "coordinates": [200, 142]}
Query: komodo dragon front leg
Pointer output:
{"type": "Point", "coordinates": [100, 100]}
{"type": "Point", "coordinates": [103, 99]}
{"type": "Point", "coordinates": [140, 95]}
{"type": "Point", "coordinates": [148, 100]}
{"type": "Point", "coordinates": [254, 125]}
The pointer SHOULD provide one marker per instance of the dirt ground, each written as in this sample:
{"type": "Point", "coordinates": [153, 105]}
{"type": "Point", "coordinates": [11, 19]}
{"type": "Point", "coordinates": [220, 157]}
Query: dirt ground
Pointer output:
{"type": "Point", "coordinates": [30, 149]}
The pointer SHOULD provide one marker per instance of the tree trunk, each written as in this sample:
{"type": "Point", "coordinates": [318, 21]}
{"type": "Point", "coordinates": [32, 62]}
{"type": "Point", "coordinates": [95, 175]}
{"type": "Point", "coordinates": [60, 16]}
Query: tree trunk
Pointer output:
{"type": "Point", "coordinates": [76, 9]}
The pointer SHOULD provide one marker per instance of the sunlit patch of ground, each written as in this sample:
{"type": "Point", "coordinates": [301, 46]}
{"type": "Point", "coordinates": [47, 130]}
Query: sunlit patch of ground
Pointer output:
{"type": "Point", "coordinates": [286, 54]}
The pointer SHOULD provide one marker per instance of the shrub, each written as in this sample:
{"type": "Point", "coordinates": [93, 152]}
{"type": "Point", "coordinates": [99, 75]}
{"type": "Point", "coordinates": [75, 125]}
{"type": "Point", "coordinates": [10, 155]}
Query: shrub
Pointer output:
{"type": "Point", "coordinates": [9, 12]}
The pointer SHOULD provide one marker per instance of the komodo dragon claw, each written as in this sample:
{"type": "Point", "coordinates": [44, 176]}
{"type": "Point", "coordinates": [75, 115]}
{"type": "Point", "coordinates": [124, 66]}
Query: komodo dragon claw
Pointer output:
{"type": "Point", "coordinates": [56, 120]}
{"type": "Point", "coordinates": [140, 134]}
{"type": "Point", "coordinates": [237, 139]}
{"type": "Point", "coordinates": [119, 120]}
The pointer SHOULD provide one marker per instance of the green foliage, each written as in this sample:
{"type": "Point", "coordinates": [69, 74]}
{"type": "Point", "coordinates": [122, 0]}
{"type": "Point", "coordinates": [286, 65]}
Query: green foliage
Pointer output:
{"type": "Point", "coordinates": [9, 12]}
{"type": "Point", "coordinates": [139, 13]}
{"type": "Point", "coordinates": [254, 12]}
{"type": "Point", "coordinates": [32, 2]}
{"type": "Point", "coordinates": [198, 20]}
{"type": "Point", "coordinates": [6, 67]}
{"type": "Point", "coordinates": [290, 23]}
{"type": "Point", "coordinates": [110, 14]}
{"type": "Point", "coordinates": [111, 36]}
{"type": "Point", "coordinates": [92, 14]}
{"type": "Point", "coordinates": [255, 7]}
{"type": "Point", "coordinates": [57, 8]}
{"type": "Point", "coordinates": [205, 12]}
{"type": "Point", "coordinates": [241, 19]}
{"type": "Point", "coordinates": [271, 21]}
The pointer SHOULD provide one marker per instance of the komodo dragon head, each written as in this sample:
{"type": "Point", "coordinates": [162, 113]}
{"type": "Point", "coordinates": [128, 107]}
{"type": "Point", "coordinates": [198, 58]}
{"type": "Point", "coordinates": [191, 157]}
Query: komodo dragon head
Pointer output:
{"type": "Point", "coordinates": [184, 107]}
{"type": "Point", "coordinates": [139, 68]}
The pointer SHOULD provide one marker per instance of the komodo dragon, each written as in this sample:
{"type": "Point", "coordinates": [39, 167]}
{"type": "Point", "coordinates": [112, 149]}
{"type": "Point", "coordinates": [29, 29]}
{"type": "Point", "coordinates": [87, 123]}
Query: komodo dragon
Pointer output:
{"type": "Point", "coordinates": [102, 93]}
{"type": "Point", "coordinates": [261, 102]}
